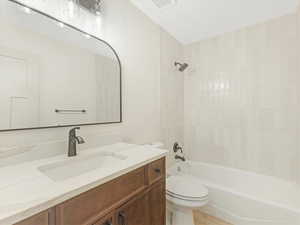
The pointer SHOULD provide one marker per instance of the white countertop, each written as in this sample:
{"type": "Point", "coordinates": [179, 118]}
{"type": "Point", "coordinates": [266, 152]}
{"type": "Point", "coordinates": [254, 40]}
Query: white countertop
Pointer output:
{"type": "Point", "coordinates": [26, 191]}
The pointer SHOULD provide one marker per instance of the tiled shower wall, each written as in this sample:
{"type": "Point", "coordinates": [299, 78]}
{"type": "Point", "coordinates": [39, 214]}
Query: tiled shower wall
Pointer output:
{"type": "Point", "coordinates": [242, 99]}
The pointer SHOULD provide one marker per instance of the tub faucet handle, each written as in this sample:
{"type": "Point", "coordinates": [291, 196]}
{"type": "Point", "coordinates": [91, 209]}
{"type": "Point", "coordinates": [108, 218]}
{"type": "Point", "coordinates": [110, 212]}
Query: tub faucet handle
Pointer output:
{"type": "Point", "coordinates": [177, 147]}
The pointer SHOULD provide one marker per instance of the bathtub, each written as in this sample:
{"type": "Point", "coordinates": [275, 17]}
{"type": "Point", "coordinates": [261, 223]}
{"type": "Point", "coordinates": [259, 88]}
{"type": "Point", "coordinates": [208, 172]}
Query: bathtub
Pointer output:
{"type": "Point", "coordinates": [244, 198]}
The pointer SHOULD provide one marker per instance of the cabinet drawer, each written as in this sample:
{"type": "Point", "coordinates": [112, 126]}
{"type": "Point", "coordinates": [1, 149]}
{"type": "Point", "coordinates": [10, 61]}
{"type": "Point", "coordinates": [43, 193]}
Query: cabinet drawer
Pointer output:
{"type": "Point", "coordinates": [90, 206]}
{"type": "Point", "coordinates": [156, 170]}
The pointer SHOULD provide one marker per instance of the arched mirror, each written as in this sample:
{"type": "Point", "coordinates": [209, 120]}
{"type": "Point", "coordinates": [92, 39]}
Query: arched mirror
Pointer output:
{"type": "Point", "coordinates": [53, 74]}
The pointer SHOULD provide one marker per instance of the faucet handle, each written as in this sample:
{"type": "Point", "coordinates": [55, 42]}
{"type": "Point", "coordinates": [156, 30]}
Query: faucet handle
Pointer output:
{"type": "Point", "coordinates": [176, 148]}
{"type": "Point", "coordinates": [80, 140]}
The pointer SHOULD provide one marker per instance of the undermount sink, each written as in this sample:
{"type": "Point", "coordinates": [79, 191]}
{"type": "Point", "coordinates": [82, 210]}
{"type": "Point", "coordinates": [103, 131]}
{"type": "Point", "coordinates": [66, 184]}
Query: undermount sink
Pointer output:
{"type": "Point", "coordinates": [79, 165]}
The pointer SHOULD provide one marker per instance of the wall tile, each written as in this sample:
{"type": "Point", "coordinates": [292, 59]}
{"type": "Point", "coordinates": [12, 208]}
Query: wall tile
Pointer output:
{"type": "Point", "coordinates": [242, 99]}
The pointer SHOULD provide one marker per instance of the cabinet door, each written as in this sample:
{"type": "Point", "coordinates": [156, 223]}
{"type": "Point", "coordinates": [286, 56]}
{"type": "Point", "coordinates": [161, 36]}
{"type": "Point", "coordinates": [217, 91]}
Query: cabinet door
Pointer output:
{"type": "Point", "coordinates": [157, 202]}
{"type": "Point", "coordinates": [107, 220]}
{"type": "Point", "coordinates": [135, 212]}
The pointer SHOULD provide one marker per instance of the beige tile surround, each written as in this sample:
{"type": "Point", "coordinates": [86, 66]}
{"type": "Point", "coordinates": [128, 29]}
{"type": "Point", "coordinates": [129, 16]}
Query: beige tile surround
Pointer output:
{"type": "Point", "coordinates": [241, 100]}
{"type": "Point", "coordinates": [201, 218]}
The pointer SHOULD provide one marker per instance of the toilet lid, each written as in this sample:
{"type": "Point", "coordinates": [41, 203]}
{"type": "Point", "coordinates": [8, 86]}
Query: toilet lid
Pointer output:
{"type": "Point", "coordinates": [186, 187]}
{"type": "Point", "coordinates": [172, 195]}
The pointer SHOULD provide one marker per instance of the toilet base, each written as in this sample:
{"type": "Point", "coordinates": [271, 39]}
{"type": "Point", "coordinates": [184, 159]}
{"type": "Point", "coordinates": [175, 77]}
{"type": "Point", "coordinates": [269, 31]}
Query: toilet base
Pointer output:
{"type": "Point", "coordinates": [179, 216]}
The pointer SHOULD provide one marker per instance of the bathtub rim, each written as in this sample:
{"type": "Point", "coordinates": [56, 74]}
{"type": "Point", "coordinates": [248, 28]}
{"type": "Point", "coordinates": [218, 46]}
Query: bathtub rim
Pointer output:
{"type": "Point", "coordinates": [271, 203]}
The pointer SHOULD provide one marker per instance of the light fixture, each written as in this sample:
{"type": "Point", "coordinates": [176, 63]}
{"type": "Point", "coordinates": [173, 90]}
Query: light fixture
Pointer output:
{"type": "Point", "coordinates": [98, 7]}
{"type": "Point", "coordinates": [93, 6]}
{"type": "Point", "coordinates": [74, 7]}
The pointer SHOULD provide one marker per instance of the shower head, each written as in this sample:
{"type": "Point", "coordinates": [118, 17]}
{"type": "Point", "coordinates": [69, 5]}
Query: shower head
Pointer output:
{"type": "Point", "coordinates": [182, 66]}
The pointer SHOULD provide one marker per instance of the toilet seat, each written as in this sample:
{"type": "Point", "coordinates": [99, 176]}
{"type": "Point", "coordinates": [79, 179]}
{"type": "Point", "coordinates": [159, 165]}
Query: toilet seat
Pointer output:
{"type": "Point", "coordinates": [186, 191]}
{"type": "Point", "coordinates": [186, 187]}
{"type": "Point", "coordinates": [187, 198]}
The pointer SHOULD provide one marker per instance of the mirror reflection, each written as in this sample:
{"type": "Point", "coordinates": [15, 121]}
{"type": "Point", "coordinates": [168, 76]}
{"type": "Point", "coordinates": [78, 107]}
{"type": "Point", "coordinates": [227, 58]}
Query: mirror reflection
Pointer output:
{"type": "Point", "coordinates": [54, 75]}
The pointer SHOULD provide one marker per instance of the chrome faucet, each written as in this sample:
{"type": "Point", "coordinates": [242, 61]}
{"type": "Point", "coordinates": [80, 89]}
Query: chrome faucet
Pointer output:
{"type": "Point", "coordinates": [73, 140]}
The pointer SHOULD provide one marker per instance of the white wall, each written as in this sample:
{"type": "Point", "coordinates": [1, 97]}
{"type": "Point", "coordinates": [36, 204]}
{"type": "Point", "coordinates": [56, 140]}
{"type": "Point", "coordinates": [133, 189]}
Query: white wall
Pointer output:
{"type": "Point", "coordinates": [107, 89]}
{"type": "Point", "coordinates": [60, 68]}
{"type": "Point", "coordinates": [242, 99]}
{"type": "Point", "coordinates": [137, 41]}
{"type": "Point", "coordinates": [171, 94]}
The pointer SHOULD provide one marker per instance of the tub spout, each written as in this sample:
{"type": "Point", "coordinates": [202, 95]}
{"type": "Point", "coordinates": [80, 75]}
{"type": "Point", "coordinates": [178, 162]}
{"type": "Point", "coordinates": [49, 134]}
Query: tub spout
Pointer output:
{"type": "Point", "coordinates": [182, 158]}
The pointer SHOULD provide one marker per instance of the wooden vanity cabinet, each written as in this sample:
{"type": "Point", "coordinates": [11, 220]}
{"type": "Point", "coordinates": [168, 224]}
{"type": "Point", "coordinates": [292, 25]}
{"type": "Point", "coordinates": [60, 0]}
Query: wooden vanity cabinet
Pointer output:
{"type": "Point", "coordinates": [156, 171]}
{"type": "Point", "coordinates": [106, 220]}
{"type": "Point", "coordinates": [134, 212]}
{"type": "Point", "coordinates": [43, 218]}
{"type": "Point", "coordinates": [136, 198]}
{"type": "Point", "coordinates": [157, 203]}
{"type": "Point", "coordinates": [86, 208]}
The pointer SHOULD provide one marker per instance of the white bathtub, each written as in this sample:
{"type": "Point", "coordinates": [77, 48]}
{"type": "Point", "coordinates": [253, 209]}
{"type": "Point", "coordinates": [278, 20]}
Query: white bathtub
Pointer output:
{"type": "Point", "coordinates": [244, 198]}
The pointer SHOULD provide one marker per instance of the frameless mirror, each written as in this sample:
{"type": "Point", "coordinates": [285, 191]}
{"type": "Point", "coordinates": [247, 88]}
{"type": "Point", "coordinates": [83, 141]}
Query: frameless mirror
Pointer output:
{"type": "Point", "coordinates": [53, 74]}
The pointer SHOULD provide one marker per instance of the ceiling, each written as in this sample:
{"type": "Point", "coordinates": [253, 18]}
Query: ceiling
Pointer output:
{"type": "Point", "coordinates": [193, 20]}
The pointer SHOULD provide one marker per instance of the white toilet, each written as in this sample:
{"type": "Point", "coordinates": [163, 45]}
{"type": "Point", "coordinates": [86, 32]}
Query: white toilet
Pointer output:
{"type": "Point", "coordinates": [184, 194]}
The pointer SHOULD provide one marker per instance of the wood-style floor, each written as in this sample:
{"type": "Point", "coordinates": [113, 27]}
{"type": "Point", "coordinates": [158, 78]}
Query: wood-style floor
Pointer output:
{"type": "Point", "coordinates": [204, 219]}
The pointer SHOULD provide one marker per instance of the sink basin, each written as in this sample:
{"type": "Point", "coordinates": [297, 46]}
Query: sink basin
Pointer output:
{"type": "Point", "coordinates": [79, 165]}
